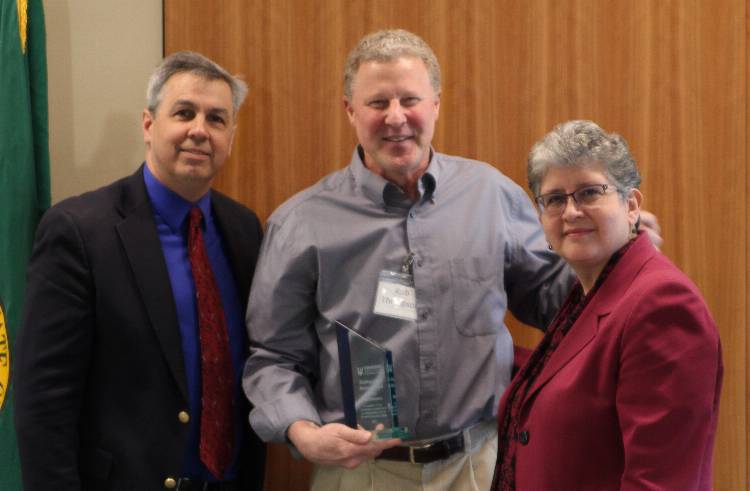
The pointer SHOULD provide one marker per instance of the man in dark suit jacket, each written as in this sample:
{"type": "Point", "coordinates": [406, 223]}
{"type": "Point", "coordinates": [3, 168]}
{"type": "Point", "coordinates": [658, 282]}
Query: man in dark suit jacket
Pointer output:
{"type": "Point", "coordinates": [108, 379]}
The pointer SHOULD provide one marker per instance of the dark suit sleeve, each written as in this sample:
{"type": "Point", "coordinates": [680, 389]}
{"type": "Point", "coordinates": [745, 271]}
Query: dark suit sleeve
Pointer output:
{"type": "Point", "coordinates": [53, 353]}
{"type": "Point", "coordinates": [668, 389]}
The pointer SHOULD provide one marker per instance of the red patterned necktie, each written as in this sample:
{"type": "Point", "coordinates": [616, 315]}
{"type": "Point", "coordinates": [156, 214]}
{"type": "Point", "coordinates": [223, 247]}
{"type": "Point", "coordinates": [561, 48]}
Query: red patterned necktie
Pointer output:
{"type": "Point", "coordinates": [216, 362]}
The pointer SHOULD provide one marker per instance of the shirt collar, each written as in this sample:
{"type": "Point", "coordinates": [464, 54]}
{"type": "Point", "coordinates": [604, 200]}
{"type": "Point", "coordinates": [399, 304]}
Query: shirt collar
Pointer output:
{"type": "Point", "coordinates": [384, 192]}
{"type": "Point", "coordinates": [170, 206]}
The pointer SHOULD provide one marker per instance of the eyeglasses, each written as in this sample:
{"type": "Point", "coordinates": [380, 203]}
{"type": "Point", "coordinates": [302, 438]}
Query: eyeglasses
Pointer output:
{"type": "Point", "coordinates": [554, 204]}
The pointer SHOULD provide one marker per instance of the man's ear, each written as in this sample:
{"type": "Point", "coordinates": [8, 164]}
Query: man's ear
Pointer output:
{"type": "Point", "coordinates": [147, 121]}
{"type": "Point", "coordinates": [349, 108]}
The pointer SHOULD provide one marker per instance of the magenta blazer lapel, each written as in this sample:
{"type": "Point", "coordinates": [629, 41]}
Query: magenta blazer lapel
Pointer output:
{"type": "Point", "coordinates": [586, 327]}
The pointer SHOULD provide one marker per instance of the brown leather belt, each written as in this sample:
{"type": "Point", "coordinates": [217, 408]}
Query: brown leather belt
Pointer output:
{"type": "Point", "coordinates": [427, 453]}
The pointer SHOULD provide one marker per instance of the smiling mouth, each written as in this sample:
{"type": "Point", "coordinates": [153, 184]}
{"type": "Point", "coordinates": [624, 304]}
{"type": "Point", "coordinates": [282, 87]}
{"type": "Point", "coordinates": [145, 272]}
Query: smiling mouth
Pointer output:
{"type": "Point", "coordinates": [397, 139]}
{"type": "Point", "coordinates": [195, 151]}
{"type": "Point", "coordinates": [577, 231]}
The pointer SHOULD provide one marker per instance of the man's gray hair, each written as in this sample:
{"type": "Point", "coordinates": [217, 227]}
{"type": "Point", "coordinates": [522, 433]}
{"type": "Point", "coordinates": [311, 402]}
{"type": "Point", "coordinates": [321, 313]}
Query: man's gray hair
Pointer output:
{"type": "Point", "coordinates": [197, 64]}
{"type": "Point", "coordinates": [581, 142]}
{"type": "Point", "coordinates": [389, 45]}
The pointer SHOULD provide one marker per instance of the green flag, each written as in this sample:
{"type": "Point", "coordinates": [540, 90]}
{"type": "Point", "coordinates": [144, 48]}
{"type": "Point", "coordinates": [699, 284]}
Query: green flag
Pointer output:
{"type": "Point", "coordinates": [24, 187]}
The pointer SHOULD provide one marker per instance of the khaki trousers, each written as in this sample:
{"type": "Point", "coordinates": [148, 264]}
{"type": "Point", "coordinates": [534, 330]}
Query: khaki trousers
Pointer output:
{"type": "Point", "coordinates": [471, 470]}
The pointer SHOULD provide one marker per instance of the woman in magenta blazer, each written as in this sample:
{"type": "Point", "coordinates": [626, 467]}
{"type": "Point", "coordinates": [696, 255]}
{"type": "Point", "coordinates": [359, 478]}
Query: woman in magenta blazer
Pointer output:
{"type": "Point", "coordinates": [623, 391]}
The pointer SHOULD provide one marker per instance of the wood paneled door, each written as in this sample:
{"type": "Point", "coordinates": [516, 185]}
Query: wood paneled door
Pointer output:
{"type": "Point", "coordinates": [670, 76]}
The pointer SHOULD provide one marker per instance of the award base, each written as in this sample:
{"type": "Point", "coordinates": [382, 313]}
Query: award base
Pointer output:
{"type": "Point", "coordinates": [388, 433]}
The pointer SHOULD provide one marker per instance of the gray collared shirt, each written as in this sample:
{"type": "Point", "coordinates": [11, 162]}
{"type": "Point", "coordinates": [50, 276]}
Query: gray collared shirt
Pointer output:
{"type": "Point", "coordinates": [478, 250]}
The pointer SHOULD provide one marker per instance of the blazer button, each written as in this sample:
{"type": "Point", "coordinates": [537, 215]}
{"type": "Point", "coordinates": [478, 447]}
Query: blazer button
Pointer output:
{"type": "Point", "coordinates": [523, 437]}
{"type": "Point", "coordinates": [170, 483]}
{"type": "Point", "coordinates": [183, 416]}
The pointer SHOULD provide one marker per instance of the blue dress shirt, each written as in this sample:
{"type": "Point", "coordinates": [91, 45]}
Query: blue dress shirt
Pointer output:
{"type": "Point", "coordinates": [171, 218]}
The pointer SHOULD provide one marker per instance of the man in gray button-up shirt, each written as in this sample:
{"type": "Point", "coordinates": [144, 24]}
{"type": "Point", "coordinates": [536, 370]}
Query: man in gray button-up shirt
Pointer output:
{"type": "Point", "coordinates": [476, 249]}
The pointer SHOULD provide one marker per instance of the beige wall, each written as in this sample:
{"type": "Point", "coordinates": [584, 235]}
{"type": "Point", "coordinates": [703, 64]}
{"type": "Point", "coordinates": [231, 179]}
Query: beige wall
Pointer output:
{"type": "Point", "coordinates": [99, 56]}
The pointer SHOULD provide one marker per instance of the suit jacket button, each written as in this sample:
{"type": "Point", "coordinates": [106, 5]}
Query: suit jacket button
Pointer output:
{"type": "Point", "coordinates": [170, 483]}
{"type": "Point", "coordinates": [523, 437]}
{"type": "Point", "coordinates": [183, 416]}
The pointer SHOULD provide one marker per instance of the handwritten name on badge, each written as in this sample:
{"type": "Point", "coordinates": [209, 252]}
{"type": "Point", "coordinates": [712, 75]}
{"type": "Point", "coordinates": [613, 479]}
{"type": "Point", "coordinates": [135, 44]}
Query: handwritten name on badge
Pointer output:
{"type": "Point", "coordinates": [396, 300]}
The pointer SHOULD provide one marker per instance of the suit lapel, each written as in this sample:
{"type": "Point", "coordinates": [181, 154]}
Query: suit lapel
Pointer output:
{"type": "Point", "coordinates": [140, 240]}
{"type": "Point", "coordinates": [241, 244]}
{"type": "Point", "coordinates": [586, 327]}
{"type": "Point", "coordinates": [232, 236]}
{"type": "Point", "coordinates": [581, 334]}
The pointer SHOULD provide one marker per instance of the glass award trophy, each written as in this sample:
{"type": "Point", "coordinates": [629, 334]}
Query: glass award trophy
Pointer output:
{"type": "Point", "coordinates": [368, 388]}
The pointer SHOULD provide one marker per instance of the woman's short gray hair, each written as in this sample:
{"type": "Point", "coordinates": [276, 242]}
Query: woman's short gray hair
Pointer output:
{"type": "Point", "coordinates": [388, 45]}
{"type": "Point", "coordinates": [197, 64]}
{"type": "Point", "coordinates": [581, 142]}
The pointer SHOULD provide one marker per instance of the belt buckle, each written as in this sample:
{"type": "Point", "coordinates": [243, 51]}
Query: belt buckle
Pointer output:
{"type": "Point", "coordinates": [420, 447]}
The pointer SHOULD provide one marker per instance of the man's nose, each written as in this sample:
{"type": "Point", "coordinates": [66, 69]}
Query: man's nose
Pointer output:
{"type": "Point", "coordinates": [198, 128]}
{"type": "Point", "coordinates": [395, 114]}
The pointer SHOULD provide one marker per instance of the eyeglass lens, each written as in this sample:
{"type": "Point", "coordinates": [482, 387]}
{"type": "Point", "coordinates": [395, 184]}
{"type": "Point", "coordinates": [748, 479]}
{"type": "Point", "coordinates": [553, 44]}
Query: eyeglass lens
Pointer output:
{"type": "Point", "coordinates": [587, 195]}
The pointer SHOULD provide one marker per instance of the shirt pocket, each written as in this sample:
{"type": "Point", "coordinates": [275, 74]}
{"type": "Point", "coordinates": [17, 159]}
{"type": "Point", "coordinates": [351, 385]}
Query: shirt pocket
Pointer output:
{"type": "Point", "coordinates": [479, 300]}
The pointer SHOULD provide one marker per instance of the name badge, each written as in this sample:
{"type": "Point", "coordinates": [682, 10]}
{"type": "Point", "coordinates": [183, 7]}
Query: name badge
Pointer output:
{"type": "Point", "coordinates": [396, 296]}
